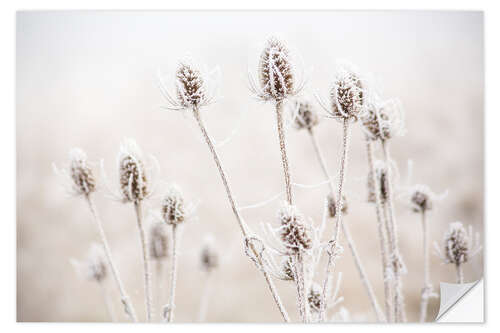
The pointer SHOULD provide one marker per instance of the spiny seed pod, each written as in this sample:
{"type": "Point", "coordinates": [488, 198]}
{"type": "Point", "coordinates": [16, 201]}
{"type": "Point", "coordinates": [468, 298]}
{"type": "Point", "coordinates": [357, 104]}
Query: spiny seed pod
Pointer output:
{"type": "Point", "coordinates": [347, 94]}
{"type": "Point", "coordinates": [158, 241]}
{"type": "Point", "coordinates": [456, 244]}
{"type": "Point", "coordinates": [382, 120]}
{"type": "Point", "coordinates": [421, 199]}
{"type": "Point", "coordinates": [306, 115]}
{"type": "Point", "coordinates": [93, 268]}
{"type": "Point", "coordinates": [314, 297]}
{"type": "Point", "coordinates": [295, 234]}
{"type": "Point", "coordinates": [332, 205]}
{"type": "Point", "coordinates": [133, 180]}
{"type": "Point", "coordinates": [276, 74]}
{"type": "Point", "coordinates": [209, 257]}
{"type": "Point", "coordinates": [382, 182]}
{"type": "Point", "coordinates": [191, 91]}
{"type": "Point", "coordinates": [173, 207]}
{"type": "Point", "coordinates": [287, 269]}
{"type": "Point", "coordinates": [80, 172]}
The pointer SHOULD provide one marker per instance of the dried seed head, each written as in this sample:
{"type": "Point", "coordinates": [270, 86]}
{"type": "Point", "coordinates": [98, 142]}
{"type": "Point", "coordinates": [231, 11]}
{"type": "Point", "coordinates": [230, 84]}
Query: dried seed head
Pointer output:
{"type": "Point", "coordinates": [83, 181]}
{"type": "Point", "coordinates": [382, 182]}
{"type": "Point", "coordinates": [295, 234]}
{"type": "Point", "coordinates": [456, 244]}
{"type": "Point", "coordinates": [209, 257]}
{"type": "Point", "coordinates": [191, 91]}
{"type": "Point", "coordinates": [276, 72]}
{"type": "Point", "coordinates": [173, 207]}
{"type": "Point", "coordinates": [421, 198]}
{"type": "Point", "coordinates": [133, 180]}
{"type": "Point", "coordinates": [287, 268]}
{"type": "Point", "coordinates": [347, 94]}
{"type": "Point", "coordinates": [94, 267]}
{"type": "Point", "coordinates": [305, 115]}
{"type": "Point", "coordinates": [158, 241]}
{"type": "Point", "coordinates": [314, 297]}
{"type": "Point", "coordinates": [382, 120]}
{"type": "Point", "coordinates": [332, 205]}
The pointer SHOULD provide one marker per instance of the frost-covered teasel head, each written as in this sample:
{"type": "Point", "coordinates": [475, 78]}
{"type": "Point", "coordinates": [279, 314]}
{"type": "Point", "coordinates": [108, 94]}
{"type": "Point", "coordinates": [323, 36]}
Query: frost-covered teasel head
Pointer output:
{"type": "Point", "coordinates": [209, 256]}
{"type": "Point", "coordinates": [93, 267]}
{"type": "Point", "coordinates": [421, 198]}
{"type": "Point", "coordinates": [304, 114]}
{"type": "Point", "coordinates": [459, 244]}
{"type": "Point", "coordinates": [278, 77]}
{"type": "Point", "coordinates": [348, 94]}
{"type": "Point", "coordinates": [78, 174]}
{"type": "Point", "coordinates": [287, 269]}
{"type": "Point", "coordinates": [134, 182]}
{"type": "Point", "coordinates": [158, 241]}
{"type": "Point", "coordinates": [295, 233]}
{"type": "Point", "coordinates": [381, 182]}
{"type": "Point", "coordinates": [314, 297]}
{"type": "Point", "coordinates": [332, 205]}
{"type": "Point", "coordinates": [173, 206]}
{"type": "Point", "coordinates": [383, 119]}
{"type": "Point", "coordinates": [194, 85]}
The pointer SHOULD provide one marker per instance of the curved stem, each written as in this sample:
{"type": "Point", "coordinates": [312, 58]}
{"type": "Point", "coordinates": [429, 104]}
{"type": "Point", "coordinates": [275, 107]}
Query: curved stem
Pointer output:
{"type": "Point", "coordinates": [145, 258]}
{"type": "Point", "coordinates": [173, 272]}
{"type": "Point", "coordinates": [241, 223]}
{"type": "Point", "coordinates": [284, 156]}
{"type": "Point", "coordinates": [382, 233]}
{"type": "Point", "coordinates": [129, 308]}
{"type": "Point", "coordinates": [345, 228]}
{"type": "Point", "coordinates": [399, 314]}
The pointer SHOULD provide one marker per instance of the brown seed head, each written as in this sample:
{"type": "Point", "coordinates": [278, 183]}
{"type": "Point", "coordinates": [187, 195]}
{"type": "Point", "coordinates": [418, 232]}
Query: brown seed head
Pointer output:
{"type": "Point", "coordinates": [276, 74]}
{"type": "Point", "coordinates": [332, 205]}
{"type": "Point", "coordinates": [133, 180]}
{"type": "Point", "coordinates": [382, 182]}
{"type": "Point", "coordinates": [456, 244]}
{"type": "Point", "coordinates": [287, 269]}
{"type": "Point", "coordinates": [173, 207]}
{"type": "Point", "coordinates": [314, 297]}
{"type": "Point", "coordinates": [96, 269]}
{"type": "Point", "coordinates": [295, 234]}
{"type": "Point", "coordinates": [382, 120]}
{"type": "Point", "coordinates": [347, 94]}
{"type": "Point", "coordinates": [191, 91]}
{"type": "Point", "coordinates": [80, 172]}
{"type": "Point", "coordinates": [158, 241]}
{"type": "Point", "coordinates": [209, 257]}
{"type": "Point", "coordinates": [306, 115]}
{"type": "Point", "coordinates": [421, 199]}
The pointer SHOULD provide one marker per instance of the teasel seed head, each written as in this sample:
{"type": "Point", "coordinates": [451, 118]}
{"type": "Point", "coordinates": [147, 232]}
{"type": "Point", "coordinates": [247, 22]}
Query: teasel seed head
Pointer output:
{"type": "Point", "coordinates": [287, 268]}
{"type": "Point", "coordinates": [276, 71]}
{"type": "Point", "coordinates": [209, 257]}
{"type": "Point", "coordinates": [133, 179]}
{"type": "Point", "coordinates": [93, 267]}
{"type": "Point", "coordinates": [190, 84]}
{"type": "Point", "coordinates": [347, 94]}
{"type": "Point", "coordinates": [314, 297]}
{"type": "Point", "coordinates": [456, 244]}
{"type": "Point", "coordinates": [83, 181]}
{"type": "Point", "coordinates": [173, 208]}
{"type": "Point", "coordinates": [304, 114]}
{"type": "Point", "coordinates": [382, 120]}
{"type": "Point", "coordinates": [382, 182]}
{"type": "Point", "coordinates": [421, 198]}
{"type": "Point", "coordinates": [295, 234]}
{"type": "Point", "coordinates": [158, 241]}
{"type": "Point", "coordinates": [332, 205]}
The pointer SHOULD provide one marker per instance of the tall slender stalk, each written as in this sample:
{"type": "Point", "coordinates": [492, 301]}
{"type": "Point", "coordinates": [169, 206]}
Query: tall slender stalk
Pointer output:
{"type": "Point", "coordinates": [239, 219]}
{"type": "Point", "coordinates": [382, 233]}
{"type": "Point", "coordinates": [129, 308]}
{"type": "Point", "coordinates": [427, 280]}
{"type": "Point", "coordinates": [107, 302]}
{"type": "Point", "coordinates": [399, 314]}
{"type": "Point", "coordinates": [202, 313]}
{"type": "Point", "coordinates": [145, 258]}
{"type": "Point", "coordinates": [460, 274]}
{"type": "Point", "coordinates": [173, 272]}
{"type": "Point", "coordinates": [345, 228]}
{"type": "Point", "coordinates": [284, 157]}
{"type": "Point", "coordinates": [158, 285]}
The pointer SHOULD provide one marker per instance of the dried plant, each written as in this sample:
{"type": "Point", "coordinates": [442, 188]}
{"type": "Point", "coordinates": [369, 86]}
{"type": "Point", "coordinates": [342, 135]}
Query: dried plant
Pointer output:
{"type": "Point", "coordinates": [209, 259]}
{"type": "Point", "coordinates": [81, 181]}
{"type": "Point", "coordinates": [459, 246]}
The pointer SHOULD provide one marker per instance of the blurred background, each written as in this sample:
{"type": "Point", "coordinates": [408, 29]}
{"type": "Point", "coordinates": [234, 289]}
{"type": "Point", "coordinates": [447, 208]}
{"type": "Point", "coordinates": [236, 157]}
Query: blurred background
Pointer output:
{"type": "Point", "coordinates": [89, 79]}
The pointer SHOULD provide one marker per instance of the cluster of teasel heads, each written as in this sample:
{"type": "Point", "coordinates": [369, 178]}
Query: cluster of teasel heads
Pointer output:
{"type": "Point", "coordinates": [291, 249]}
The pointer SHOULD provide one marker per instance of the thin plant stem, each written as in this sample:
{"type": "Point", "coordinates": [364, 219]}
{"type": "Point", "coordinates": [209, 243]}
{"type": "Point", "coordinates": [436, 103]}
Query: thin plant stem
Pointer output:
{"type": "Point", "coordinates": [129, 308]}
{"type": "Point", "coordinates": [400, 314]}
{"type": "Point", "coordinates": [345, 228]}
{"type": "Point", "coordinates": [382, 233]}
{"type": "Point", "coordinates": [107, 302]}
{"type": "Point", "coordinates": [239, 219]}
{"type": "Point", "coordinates": [173, 272]}
{"type": "Point", "coordinates": [158, 285]}
{"type": "Point", "coordinates": [205, 296]}
{"type": "Point", "coordinates": [460, 274]}
{"type": "Point", "coordinates": [427, 280]}
{"type": "Point", "coordinates": [299, 278]}
{"type": "Point", "coordinates": [284, 156]}
{"type": "Point", "coordinates": [145, 258]}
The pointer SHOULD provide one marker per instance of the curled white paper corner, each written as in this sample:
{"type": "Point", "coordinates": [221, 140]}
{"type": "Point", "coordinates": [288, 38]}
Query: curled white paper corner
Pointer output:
{"type": "Point", "coordinates": [451, 307]}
